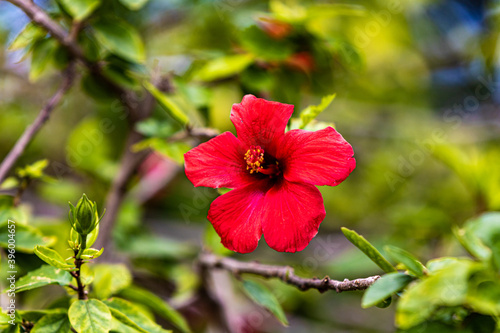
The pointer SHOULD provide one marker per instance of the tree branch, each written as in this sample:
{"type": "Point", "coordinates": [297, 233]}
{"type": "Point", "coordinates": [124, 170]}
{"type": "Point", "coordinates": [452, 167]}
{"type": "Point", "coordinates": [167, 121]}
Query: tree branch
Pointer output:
{"type": "Point", "coordinates": [285, 274]}
{"type": "Point", "coordinates": [37, 15]}
{"type": "Point", "coordinates": [32, 130]}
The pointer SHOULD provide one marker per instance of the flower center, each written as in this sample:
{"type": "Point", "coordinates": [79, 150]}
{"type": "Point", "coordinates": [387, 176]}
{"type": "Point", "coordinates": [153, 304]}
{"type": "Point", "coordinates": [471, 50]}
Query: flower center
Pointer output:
{"type": "Point", "coordinates": [254, 158]}
{"type": "Point", "coordinates": [255, 162]}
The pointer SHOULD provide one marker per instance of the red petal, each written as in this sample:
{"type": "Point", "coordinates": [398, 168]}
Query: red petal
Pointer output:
{"type": "Point", "coordinates": [260, 122]}
{"type": "Point", "coordinates": [320, 158]}
{"type": "Point", "coordinates": [237, 217]}
{"type": "Point", "coordinates": [293, 213]}
{"type": "Point", "coordinates": [217, 163]}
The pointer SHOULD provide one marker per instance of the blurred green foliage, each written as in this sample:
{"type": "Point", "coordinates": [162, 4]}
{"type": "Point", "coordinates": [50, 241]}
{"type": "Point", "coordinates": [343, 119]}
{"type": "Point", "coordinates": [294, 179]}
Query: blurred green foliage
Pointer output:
{"type": "Point", "coordinates": [427, 154]}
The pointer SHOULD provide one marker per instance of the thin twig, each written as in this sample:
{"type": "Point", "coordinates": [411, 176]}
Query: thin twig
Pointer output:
{"type": "Point", "coordinates": [32, 130]}
{"type": "Point", "coordinates": [40, 17]}
{"type": "Point", "coordinates": [68, 40]}
{"type": "Point", "coordinates": [128, 164]}
{"type": "Point", "coordinates": [285, 274]}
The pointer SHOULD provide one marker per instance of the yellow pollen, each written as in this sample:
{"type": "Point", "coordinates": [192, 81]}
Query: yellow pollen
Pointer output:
{"type": "Point", "coordinates": [254, 158]}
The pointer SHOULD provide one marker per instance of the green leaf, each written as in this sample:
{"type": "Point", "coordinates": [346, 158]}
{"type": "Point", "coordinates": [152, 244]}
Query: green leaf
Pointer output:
{"type": "Point", "coordinates": [125, 320]}
{"type": "Point", "coordinates": [384, 287]}
{"type": "Point", "coordinates": [173, 150]}
{"type": "Point", "coordinates": [312, 111]}
{"type": "Point", "coordinates": [109, 279]}
{"type": "Point", "coordinates": [90, 316]}
{"type": "Point", "coordinates": [9, 183]}
{"type": "Point", "coordinates": [36, 315]}
{"type": "Point", "coordinates": [30, 34]}
{"type": "Point", "coordinates": [446, 287]}
{"type": "Point", "coordinates": [26, 237]}
{"type": "Point", "coordinates": [43, 276]}
{"type": "Point", "coordinates": [42, 58]}
{"type": "Point", "coordinates": [167, 103]}
{"type": "Point", "coordinates": [134, 4]}
{"type": "Point", "coordinates": [80, 9]}
{"type": "Point", "coordinates": [122, 309]}
{"type": "Point", "coordinates": [407, 259]}
{"type": "Point", "coordinates": [224, 67]}
{"type": "Point", "coordinates": [34, 170]}
{"type": "Point", "coordinates": [384, 303]}
{"type": "Point", "coordinates": [152, 127]}
{"type": "Point", "coordinates": [265, 298]}
{"type": "Point", "coordinates": [52, 258]}
{"type": "Point", "coordinates": [158, 247]}
{"type": "Point", "coordinates": [361, 243]}
{"type": "Point", "coordinates": [487, 229]}
{"type": "Point", "coordinates": [53, 323]}
{"type": "Point", "coordinates": [485, 298]}
{"type": "Point", "coordinates": [121, 76]}
{"type": "Point", "coordinates": [120, 38]}
{"type": "Point", "coordinates": [156, 304]}
{"type": "Point", "coordinates": [92, 253]}
{"type": "Point", "coordinates": [472, 244]}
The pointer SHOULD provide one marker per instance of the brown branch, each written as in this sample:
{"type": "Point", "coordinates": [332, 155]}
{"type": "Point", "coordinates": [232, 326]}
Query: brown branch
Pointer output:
{"type": "Point", "coordinates": [43, 116]}
{"type": "Point", "coordinates": [128, 164]}
{"type": "Point", "coordinates": [68, 40]}
{"type": "Point", "coordinates": [285, 274]}
{"type": "Point", "coordinates": [37, 15]}
{"type": "Point", "coordinates": [80, 289]}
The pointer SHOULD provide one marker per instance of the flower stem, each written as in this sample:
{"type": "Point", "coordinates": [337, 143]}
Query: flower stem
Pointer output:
{"type": "Point", "coordinates": [80, 288]}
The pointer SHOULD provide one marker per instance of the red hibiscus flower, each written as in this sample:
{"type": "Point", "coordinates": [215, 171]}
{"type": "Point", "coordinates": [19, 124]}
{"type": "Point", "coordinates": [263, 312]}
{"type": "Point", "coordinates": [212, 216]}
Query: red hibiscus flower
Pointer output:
{"type": "Point", "coordinates": [273, 176]}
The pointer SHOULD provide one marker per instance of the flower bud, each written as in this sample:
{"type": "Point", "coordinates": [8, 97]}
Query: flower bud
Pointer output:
{"type": "Point", "coordinates": [84, 217]}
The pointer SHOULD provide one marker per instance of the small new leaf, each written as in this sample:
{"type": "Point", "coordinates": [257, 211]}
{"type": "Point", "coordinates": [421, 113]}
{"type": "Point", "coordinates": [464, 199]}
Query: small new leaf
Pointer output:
{"type": "Point", "coordinates": [53, 258]}
{"type": "Point", "coordinates": [312, 111]}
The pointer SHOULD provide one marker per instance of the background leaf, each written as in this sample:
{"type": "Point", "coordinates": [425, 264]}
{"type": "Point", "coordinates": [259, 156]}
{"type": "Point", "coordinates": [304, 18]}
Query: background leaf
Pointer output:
{"type": "Point", "coordinates": [223, 67]}
{"type": "Point", "coordinates": [265, 298]}
{"type": "Point", "coordinates": [109, 279]}
{"type": "Point", "coordinates": [80, 9]}
{"type": "Point", "coordinates": [312, 111]}
{"type": "Point", "coordinates": [27, 237]}
{"type": "Point", "coordinates": [134, 4]}
{"type": "Point", "coordinates": [120, 38]}
{"type": "Point", "coordinates": [53, 323]}
{"type": "Point", "coordinates": [134, 314]}
{"type": "Point", "coordinates": [30, 34]}
{"type": "Point", "coordinates": [166, 102]}
{"type": "Point", "coordinates": [156, 304]}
